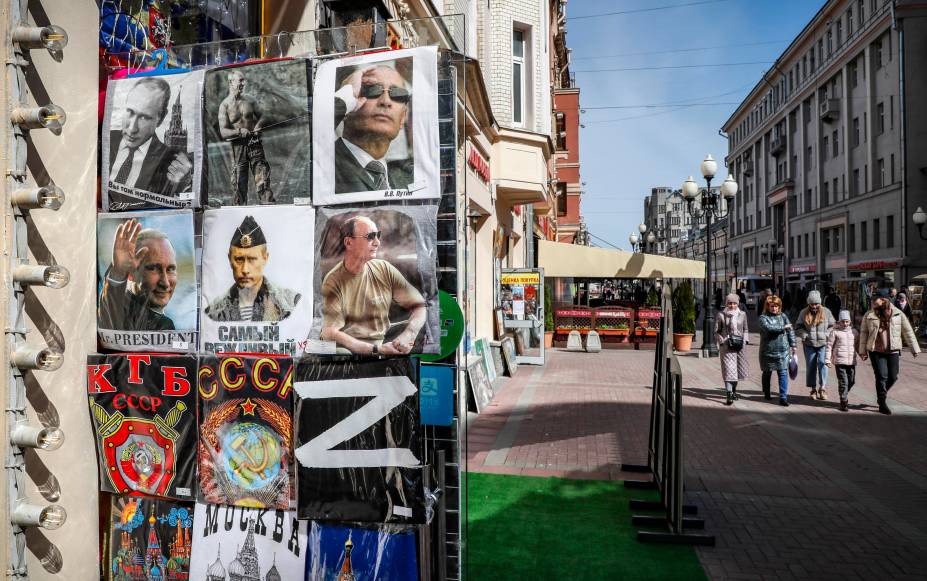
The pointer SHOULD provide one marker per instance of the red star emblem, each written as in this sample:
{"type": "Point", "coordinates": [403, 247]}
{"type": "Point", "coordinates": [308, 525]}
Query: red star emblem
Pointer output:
{"type": "Point", "coordinates": [248, 407]}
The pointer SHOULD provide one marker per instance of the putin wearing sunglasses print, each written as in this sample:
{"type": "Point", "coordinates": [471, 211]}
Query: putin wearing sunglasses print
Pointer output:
{"type": "Point", "coordinates": [358, 292]}
{"type": "Point", "coordinates": [373, 105]}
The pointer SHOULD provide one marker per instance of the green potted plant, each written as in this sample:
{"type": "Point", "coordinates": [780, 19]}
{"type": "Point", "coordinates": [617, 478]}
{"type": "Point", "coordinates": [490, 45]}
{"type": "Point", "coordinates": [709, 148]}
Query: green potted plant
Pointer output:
{"type": "Point", "coordinates": [548, 317]}
{"type": "Point", "coordinates": [683, 316]}
{"type": "Point", "coordinates": [653, 298]}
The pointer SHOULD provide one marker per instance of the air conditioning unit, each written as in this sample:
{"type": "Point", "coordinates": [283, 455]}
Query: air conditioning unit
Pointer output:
{"type": "Point", "coordinates": [777, 145]}
{"type": "Point", "coordinates": [830, 110]}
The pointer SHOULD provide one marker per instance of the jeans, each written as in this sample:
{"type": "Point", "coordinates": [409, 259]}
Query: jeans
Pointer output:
{"type": "Point", "coordinates": [846, 378]}
{"type": "Point", "coordinates": [816, 372]}
{"type": "Point", "coordinates": [783, 382]}
{"type": "Point", "coordinates": [885, 367]}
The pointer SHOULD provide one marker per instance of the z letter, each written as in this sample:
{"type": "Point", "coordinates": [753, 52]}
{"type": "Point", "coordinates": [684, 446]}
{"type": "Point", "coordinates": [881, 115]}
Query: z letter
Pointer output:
{"type": "Point", "coordinates": [387, 393]}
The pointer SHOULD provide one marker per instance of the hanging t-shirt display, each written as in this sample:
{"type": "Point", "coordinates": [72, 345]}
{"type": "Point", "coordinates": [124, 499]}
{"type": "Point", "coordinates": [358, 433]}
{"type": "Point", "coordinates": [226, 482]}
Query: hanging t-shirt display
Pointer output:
{"type": "Point", "coordinates": [357, 441]}
{"type": "Point", "coordinates": [257, 279]}
{"type": "Point", "coordinates": [375, 131]}
{"type": "Point", "coordinates": [247, 544]}
{"type": "Point", "coordinates": [384, 553]}
{"type": "Point", "coordinates": [258, 136]}
{"type": "Point", "coordinates": [148, 539]}
{"type": "Point", "coordinates": [146, 265]}
{"type": "Point", "coordinates": [152, 142]}
{"type": "Point", "coordinates": [246, 430]}
{"type": "Point", "coordinates": [375, 281]}
{"type": "Point", "coordinates": [143, 410]}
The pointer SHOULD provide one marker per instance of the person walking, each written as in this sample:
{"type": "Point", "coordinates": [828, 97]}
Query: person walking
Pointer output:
{"type": "Point", "coordinates": [732, 336]}
{"type": "Point", "coordinates": [901, 301]}
{"type": "Point", "coordinates": [813, 324]}
{"type": "Point", "coordinates": [777, 344]}
{"type": "Point", "coordinates": [833, 303]}
{"type": "Point", "coordinates": [882, 335]}
{"type": "Point", "coordinates": [842, 343]}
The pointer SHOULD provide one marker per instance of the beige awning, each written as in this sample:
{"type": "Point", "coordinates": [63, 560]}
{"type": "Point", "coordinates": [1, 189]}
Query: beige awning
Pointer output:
{"type": "Point", "coordinates": [571, 260]}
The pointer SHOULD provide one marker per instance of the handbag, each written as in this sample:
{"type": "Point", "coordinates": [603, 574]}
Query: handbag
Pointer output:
{"type": "Point", "coordinates": [734, 342]}
{"type": "Point", "coordinates": [793, 367]}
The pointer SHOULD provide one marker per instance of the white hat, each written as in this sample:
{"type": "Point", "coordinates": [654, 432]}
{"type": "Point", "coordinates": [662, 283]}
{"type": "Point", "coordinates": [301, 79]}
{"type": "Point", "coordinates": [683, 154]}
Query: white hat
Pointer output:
{"type": "Point", "coordinates": [844, 316]}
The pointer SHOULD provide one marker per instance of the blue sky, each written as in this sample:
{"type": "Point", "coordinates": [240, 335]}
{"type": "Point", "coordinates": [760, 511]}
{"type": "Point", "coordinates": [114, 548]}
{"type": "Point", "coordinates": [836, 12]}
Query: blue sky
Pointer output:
{"type": "Point", "coordinates": [625, 152]}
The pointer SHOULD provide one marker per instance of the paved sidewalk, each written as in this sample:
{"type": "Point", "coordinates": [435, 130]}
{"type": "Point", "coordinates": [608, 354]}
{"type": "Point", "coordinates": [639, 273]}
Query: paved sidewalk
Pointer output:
{"type": "Point", "coordinates": [804, 492]}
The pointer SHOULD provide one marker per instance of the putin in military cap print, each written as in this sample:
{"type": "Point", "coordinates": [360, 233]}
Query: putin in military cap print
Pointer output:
{"type": "Point", "coordinates": [253, 297]}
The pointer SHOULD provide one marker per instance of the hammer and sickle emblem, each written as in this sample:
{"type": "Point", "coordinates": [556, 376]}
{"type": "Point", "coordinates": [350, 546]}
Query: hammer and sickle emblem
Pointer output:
{"type": "Point", "coordinates": [250, 462]}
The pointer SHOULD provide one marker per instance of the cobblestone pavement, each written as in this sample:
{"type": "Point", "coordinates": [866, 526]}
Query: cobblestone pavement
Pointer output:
{"type": "Point", "coordinates": [804, 492]}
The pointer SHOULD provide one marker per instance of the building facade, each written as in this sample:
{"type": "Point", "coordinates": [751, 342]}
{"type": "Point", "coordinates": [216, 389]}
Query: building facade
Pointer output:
{"type": "Point", "coordinates": [567, 181]}
{"type": "Point", "coordinates": [818, 150]}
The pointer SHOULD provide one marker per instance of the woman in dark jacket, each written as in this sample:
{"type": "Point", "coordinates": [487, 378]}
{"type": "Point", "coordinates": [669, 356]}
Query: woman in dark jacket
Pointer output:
{"type": "Point", "coordinates": [777, 344]}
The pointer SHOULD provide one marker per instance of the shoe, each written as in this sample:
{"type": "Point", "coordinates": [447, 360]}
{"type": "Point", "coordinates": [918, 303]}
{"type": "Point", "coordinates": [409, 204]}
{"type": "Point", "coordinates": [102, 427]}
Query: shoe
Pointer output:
{"type": "Point", "coordinates": [814, 394]}
{"type": "Point", "coordinates": [844, 406]}
{"type": "Point", "coordinates": [884, 409]}
{"type": "Point", "coordinates": [736, 395]}
{"type": "Point", "coordinates": [784, 402]}
{"type": "Point", "coordinates": [822, 394]}
{"type": "Point", "coordinates": [730, 399]}
{"type": "Point", "coordinates": [766, 394]}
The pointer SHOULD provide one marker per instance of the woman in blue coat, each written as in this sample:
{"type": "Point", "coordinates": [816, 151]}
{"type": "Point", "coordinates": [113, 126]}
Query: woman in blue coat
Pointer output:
{"type": "Point", "coordinates": [777, 344]}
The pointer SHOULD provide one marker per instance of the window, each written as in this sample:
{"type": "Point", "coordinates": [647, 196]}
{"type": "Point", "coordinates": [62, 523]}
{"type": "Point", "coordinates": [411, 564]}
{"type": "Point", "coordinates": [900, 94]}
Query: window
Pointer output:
{"type": "Point", "coordinates": [807, 248]}
{"type": "Point", "coordinates": [857, 190]}
{"type": "Point", "coordinates": [855, 131]}
{"type": "Point", "coordinates": [838, 232]}
{"type": "Point", "coordinates": [891, 168]}
{"type": "Point", "coordinates": [835, 190]}
{"type": "Point", "coordinates": [809, 158]}
{"type": "Point", "coordinates": [850, 21]}
{"type": "Point", "coordinates": [808, 200]}
{"type": "Point", "coordinates": [860, 7]}
{"type": "Point", "coordinates": [812, 60]}
{"type": "Point", "coordinates": [814, 245]}
{"type": "Point", "coordinates": [890, 232]}
{"type": "Point", "coordinates": [839, 33]}
{"type": "Point", "coordinates": [852, 241]}
{"type": "Point", "coordinates": [888, 41]}
{"type": "Point", "coordinates": [877, 56]}
{"type": "Point", "coordinates": [863, 237]}
{"type": "Point", "coordinates": [825, 199]}
{"type": "Point", "coordinates": [865, 126]}
{"type": "Point", "coordinates": [880, 109]}
{"type": "Point", "coordinates": [876, 240]}
{"type": "Point", "coordinates": [854, 74]}
{"type": "Point", "coordinates": [881, 166]}
{"type": "Point", "coordinates": [826, 146]}
{"type": "Point", "coordinates": [830, 43]}
{"type": "Point", "coordinates": [825, 242]}
{"type": "Point", "coordinates": [518, 78]}
{"type": "Point", "coordinates": [836, 144]}
{"type": "Point", "coordinates": [891, 112]}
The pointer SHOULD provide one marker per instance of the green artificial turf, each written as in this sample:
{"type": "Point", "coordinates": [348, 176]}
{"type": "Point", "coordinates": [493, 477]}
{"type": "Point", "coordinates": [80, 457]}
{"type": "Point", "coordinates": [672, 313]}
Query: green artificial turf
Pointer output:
{"type": "Point", "coordinates": [552, 528]}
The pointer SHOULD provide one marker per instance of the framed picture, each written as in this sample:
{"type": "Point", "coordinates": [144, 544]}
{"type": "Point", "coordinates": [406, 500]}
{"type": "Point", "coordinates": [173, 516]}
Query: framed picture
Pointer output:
{"type": "Point", "coordinates": [480, 387]}
{"type": "Point", "coordinates": [508, 355]}
{"type": "Point", "coordinates": [499, 318]}
{"type": "Point", "coordinates": [152, 142]}
{"type": "Point", "coordinates": [375, 128]}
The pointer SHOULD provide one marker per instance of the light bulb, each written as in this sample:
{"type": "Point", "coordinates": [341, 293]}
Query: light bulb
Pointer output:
{"type": "Point", "coordinates": [51, 117]}
{"type": "Point", "coordinates": [26, 436]}
{"type": "Point", "coordinates": [39, 359]}
{"type": "Point", "coordinates": [49, 517]}
{"type": "Point", "coordinates": [53, 276]}
{"type": "Point", "coordinates": [52, 37]}
{"type": "Point", "coordinates": [49, 197]}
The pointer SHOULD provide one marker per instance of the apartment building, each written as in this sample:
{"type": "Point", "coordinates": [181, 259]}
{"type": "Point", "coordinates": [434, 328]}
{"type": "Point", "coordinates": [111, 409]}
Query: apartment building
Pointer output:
{"type": "Point", "coordinates": [817, 148]}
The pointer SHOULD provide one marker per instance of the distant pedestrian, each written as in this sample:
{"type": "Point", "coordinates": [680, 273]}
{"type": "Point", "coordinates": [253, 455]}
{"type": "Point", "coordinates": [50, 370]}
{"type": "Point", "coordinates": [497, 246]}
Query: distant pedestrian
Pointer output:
{"type": "Point", "coordinates": [732, 336]}
{"type": "Point", "coordinates": [777, 345]}
{"type": "Point", "coordinates": [813, 324]}
{"type": "Point", "coordinates": [717, 299]}
{"type": "Point", "coordinates": [842, 343]}
{"type": "Point", "coordinates": [892, 293]}
{"type": "Point", "coordinates": [833, 303]}
{"type": "Point", "coordinates": [901, 301]}
{"type": "Point", "coordinates": [743, 298]}
{"type": "Point", "coordinates": [761, 300]}
{"type": "Point", "coordinates": [882, 335]}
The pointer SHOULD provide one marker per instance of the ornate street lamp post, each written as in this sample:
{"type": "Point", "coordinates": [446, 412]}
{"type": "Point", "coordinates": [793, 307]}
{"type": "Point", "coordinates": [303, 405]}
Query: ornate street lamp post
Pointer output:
{"type": "Point", "coordinates": [710, 209]}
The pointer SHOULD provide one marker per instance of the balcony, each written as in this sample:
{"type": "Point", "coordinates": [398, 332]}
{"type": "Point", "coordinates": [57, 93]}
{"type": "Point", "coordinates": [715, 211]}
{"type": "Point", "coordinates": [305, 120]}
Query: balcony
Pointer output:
{"type": "Point", "coordinates": [830, 110]}
{"type": "Point", "coordinates": [777, 146]}
{"type": "Point", "coordinates": [519, 168]}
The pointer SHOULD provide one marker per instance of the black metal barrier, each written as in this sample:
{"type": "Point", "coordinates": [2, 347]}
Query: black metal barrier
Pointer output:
{"type": "Point", "coordinates": [665, 451]}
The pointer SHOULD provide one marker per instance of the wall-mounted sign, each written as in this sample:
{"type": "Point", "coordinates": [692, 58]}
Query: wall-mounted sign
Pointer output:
{"type": "Point", "coordinates": [873, 265]}
{"type": "Point", "coordinates": [803, 268]}
{"type": "Point", "coordinates": [478, 164]}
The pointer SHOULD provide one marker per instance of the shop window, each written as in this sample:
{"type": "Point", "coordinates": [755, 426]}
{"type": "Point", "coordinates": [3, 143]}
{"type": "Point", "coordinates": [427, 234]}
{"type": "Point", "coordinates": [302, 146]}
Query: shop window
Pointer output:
{"type": "Point", "coordinates": [365, 21]}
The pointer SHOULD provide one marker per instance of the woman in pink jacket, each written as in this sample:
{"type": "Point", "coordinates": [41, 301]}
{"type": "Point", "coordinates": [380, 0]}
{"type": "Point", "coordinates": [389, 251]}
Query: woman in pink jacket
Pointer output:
{"type": "Point", "coordinates": [841, 352]}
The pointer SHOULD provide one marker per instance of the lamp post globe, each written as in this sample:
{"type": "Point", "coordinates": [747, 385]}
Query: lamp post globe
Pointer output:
{"type": "Point", "coordinates": [689, 189]}
{"type": "Point", "coordinates": [709, 167]}
{"type": "Point", "coordinates": [642, 228]}
{"type": "Point", "coordinates": [651, 238]}
{"type": "Point", "coordinates": [633, 240]}
{"type": "Point", "coordinates": [729, 188]}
